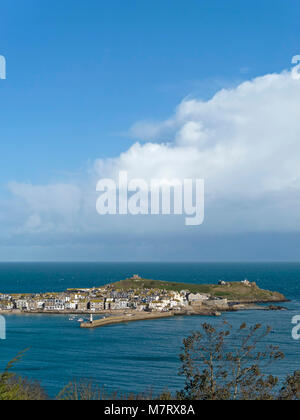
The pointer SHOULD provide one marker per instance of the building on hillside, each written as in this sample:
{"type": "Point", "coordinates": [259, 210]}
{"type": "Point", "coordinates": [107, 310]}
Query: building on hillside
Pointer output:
{"type": "Point", "coordinates": [96, 305]}
{"type": "Point", "coordinates": [54, 304]}
{"type": "Point", "coordinates": [6, 305]}
{"type": "Point", "coordinates": [21, 304]}
{"type": "Point", "coordinates": [83, 305]}
{"type": "Point", "coordinates": [246, 282]}
{"type": "Point", "coordinates": [136, 277]}
{"type": "Point", "coordinates": [71, 305]}
{"type": "Point", "coordinates": [197, 298]}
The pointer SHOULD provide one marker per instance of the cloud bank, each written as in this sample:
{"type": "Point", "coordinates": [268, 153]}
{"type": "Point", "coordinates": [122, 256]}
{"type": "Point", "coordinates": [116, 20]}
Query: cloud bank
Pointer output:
{"type": "Point", "coordinates": [244, 142]}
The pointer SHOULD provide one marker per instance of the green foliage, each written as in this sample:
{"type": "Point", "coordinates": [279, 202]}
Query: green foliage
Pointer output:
{"type": "Point", "coordinates": [212, 372]}
{"type": "Point", "coordinates": [87, 391]}
{"type": "Point", "coordinates": [291, 388]}
{"type": "Point", "coordinates": [14, 388]}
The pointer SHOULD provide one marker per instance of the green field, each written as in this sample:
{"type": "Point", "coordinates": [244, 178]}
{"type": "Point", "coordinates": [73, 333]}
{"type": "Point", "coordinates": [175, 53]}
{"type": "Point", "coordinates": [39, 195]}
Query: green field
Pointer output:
{"type": "Point", "coordinates": [232, 291]}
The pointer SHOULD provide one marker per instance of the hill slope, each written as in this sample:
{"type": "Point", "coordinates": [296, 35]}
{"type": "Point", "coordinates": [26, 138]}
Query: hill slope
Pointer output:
{"type": "Point", "coordinates": [232, 291]}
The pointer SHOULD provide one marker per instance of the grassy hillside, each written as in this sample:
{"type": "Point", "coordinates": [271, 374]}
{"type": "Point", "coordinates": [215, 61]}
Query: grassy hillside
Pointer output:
{"type": "Point", "coordinates": [232, 291]}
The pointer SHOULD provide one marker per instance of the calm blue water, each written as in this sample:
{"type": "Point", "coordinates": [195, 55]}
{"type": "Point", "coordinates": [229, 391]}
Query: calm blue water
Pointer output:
{"type": "Point", "coordinates": [137, 356]}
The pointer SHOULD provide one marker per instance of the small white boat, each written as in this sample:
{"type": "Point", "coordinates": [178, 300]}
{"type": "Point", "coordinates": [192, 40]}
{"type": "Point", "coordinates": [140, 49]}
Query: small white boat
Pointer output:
{"type": "Point", "coordinates": [80, 320]}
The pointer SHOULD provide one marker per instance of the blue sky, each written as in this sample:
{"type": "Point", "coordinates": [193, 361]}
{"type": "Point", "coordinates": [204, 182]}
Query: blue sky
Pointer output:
{"type": "Point", "coordinates": [81, 74]}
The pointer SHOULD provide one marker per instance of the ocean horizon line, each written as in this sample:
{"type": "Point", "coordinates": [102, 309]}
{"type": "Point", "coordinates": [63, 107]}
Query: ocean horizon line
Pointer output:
{"type": "Point", "coordinates": [152, 262]}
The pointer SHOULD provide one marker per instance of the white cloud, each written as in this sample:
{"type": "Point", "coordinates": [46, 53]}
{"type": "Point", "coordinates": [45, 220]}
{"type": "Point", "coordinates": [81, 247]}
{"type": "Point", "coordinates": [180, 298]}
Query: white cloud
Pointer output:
{"type": "Point", "coordinates": [245, 143]}
{"type": "Point", "coordinates": [60, 199]}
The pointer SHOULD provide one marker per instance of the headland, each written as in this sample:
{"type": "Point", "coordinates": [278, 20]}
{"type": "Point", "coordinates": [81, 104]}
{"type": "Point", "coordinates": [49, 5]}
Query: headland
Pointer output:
{"type": "Point", "coordinates": [137, 299]}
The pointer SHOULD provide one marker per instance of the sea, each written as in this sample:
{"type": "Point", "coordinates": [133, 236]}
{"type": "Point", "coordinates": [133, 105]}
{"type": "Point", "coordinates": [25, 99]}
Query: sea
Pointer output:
{"type": "Point", "coordinates": [140, 356]}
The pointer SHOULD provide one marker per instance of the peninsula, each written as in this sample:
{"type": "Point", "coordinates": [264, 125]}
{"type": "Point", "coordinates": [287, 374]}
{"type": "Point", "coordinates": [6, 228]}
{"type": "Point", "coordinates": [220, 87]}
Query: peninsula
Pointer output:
{"type": "Point", "coordinates": [136, 298]}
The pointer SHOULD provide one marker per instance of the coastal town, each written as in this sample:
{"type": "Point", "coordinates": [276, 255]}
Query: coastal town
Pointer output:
{"type": "Point", "coordinates": [136, 298]}
{"type": "Point", "coordinates": [106, 298]}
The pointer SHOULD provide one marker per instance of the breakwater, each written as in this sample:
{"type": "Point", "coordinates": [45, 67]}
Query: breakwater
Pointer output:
{"type": "Point", "coordinates": [126, 318]}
